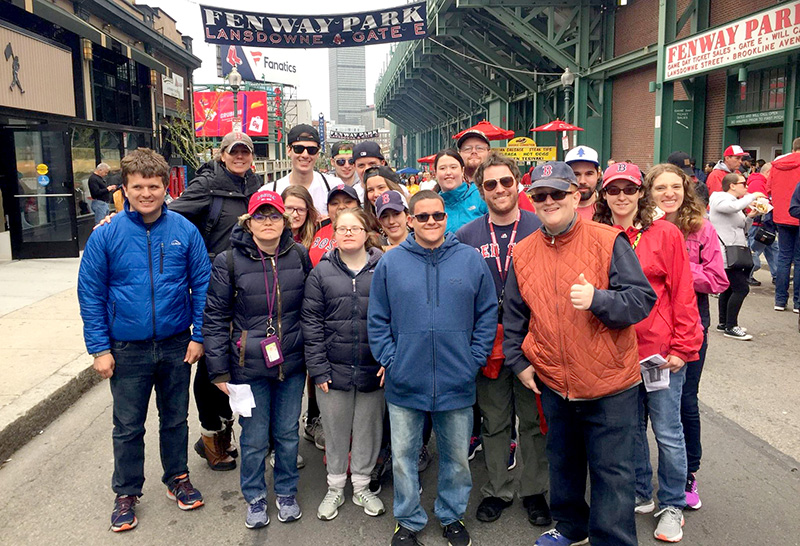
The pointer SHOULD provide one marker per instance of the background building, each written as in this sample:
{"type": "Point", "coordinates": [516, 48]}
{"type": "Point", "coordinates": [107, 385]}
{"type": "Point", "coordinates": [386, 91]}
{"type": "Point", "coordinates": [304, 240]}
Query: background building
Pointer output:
{"type": "Point", "coordinates": [348, 84]}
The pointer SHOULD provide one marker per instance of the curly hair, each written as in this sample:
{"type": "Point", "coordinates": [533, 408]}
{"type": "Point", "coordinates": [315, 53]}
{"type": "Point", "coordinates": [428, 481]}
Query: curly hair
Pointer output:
{"type": "Point", "coordinates": [645, 210]}
{"type": "Point", "coordinates": [691, 212]}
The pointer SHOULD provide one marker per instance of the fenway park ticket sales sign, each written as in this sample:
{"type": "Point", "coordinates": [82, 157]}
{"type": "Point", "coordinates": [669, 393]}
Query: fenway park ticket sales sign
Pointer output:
{"type": "Point", "coordinates": [771, 31]}
{"type": "Point", "coordinates": [242, 28]}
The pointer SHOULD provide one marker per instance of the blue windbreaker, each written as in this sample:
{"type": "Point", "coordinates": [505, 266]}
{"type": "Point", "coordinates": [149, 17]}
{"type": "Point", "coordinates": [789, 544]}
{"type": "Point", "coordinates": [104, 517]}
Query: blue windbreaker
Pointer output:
{"type": "Point", "coordinates": [432, 321]}
{"type": "Point", "coordinates": [462, 205]}
{"type": "Point", "coordinates": [134, 283]}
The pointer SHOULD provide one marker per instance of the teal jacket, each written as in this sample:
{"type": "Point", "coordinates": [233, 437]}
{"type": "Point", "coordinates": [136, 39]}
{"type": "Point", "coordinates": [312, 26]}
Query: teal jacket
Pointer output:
{"type": "Point", "coordinates": [462, 206]}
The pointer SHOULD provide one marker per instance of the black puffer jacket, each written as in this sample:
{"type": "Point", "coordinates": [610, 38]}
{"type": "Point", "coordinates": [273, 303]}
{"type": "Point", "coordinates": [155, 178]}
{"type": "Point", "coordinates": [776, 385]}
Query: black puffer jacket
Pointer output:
{"type": "Point", "coordinates": [213, 181]}
{"type": "Point", "coordinates": [246, 309]}
{"type": "Point", "coordinates": [335, 324]}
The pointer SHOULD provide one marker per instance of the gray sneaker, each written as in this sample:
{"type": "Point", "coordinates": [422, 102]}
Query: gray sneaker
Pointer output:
{"type": "Point", "coordinates": [329, 507]}
{"type": "Point", "coordinates": [257, 514]}
{"type": "Point", "coordinates": [300, 461]}
{"type": "Point", "coordinates": [288, 509]}
{"type": "Point", "coordinates": [670, 523]}
{"type": "Point", "coordinates": [372, 505]}
{"type": "Point", "coordinates": [644, 506]}
{"type": "Point", "coordinates": [313, 432]}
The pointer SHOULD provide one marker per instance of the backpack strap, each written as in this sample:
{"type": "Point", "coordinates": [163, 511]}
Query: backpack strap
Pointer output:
{"type": "Point", "coordinates": [327, 186]}
{"type": "Point", "coordinates": [231, 273]}
{"type": "Point", "coordinates": [214, 213]}
{"type": "Point", "coordinates": [304, 260]}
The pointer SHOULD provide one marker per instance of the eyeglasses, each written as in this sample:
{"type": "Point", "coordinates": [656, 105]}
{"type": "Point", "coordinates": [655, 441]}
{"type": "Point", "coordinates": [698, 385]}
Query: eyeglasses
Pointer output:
{"type": "Point", "coordinates": [557, 195]}
{"type": "Point", "coordinates": [627, 190]}
{"type": "Point", "coordinates": [740, 182]}
{"type": "Point", "coordinates": [506, 181]}
{"type": "Point", "coordinates": [341, 162]}
{"type": "Point", "coordinates": [272, 217]}
{"type": "Point", "coordinates": [297, 210]}
{"type": "Point", "coordinates": [299, 149]}
{"type": "Point", "coordinates": [470, 149]}
{"type": "Point", "coordinates": [423, 217]}
{"type": "Point", "coordinates": [354, 230]}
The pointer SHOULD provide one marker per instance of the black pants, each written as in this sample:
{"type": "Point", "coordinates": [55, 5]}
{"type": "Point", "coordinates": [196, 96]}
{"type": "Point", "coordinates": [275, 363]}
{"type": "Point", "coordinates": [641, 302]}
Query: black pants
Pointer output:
{"type": "Point", "coordinates": [730, 301]}
{"type": "Point", "coordinates": [690, 410]}
{"type": "Point", "coordinates": [212, 403]}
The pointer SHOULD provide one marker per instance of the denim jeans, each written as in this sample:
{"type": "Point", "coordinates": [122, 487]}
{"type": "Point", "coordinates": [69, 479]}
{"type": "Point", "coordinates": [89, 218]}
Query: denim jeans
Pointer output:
{"type": "Point", "coordinates": [140, 366]}
{"type": "Point", "coordinates": [598, 434]}
{"type": "Point", "coordinates": [100, 210]}
{"type": "Point", "coordinates": [664, 410]}
{"type": "Point", "coordinates": [690, 410]}
{"type": "Point", "coordinates": [788, 253]}
{"type": "Point", "coordinates": [278, 406]}
{"type": "Point", "coordinates": [453, 429]}
{"type": "Point", "coordinates": [770, 253]}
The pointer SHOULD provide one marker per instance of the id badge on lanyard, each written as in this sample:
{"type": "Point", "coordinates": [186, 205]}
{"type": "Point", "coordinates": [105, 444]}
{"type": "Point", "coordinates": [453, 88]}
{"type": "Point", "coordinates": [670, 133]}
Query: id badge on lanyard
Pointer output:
{"type": "Point", "coordinates": [271, 345]}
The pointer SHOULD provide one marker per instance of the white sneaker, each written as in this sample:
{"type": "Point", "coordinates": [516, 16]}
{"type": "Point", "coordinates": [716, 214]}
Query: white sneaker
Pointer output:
{"type": "Point", "coordinates": [369, 501]}
{"type": "Point", "coordinates": [670, 524]}
{"type": "Point", "coordinates": [644, 506]}
{"type": "Point", "coordinates": [329, 507]}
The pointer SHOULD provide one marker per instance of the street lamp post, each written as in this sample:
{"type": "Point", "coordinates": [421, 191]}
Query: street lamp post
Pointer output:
{"type": "Point", "coordinates": [567, 79]}
{"type": "Point", "coordinates": [235, 81]}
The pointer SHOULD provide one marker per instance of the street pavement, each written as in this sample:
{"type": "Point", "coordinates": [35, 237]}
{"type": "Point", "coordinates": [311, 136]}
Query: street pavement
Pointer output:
{"type": "Point", "coordinates": [56, 489]}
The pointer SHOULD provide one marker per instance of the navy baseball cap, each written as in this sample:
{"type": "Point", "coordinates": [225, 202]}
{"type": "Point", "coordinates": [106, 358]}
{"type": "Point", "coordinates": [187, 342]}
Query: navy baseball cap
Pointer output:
{"type": "Point", "coordinates": [368, 149]}
{"type": "Point", "coordinates": [390, 200]}
{"type": "Point", "coordinates": [382, 171]}
{"type": "Point", "coordinates": [349, 191]}
{"type": "Point", "coordinates": [553, 174]}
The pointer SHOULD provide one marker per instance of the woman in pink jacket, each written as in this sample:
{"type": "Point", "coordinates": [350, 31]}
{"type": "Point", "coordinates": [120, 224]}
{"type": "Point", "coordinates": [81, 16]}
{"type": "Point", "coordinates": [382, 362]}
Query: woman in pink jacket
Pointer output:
{"type": "Point", "coordinates": [672, 191]}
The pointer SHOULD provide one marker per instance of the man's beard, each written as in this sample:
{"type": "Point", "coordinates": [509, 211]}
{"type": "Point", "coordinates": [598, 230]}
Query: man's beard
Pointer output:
{"type": "Point", "coordinates": [586, 193]}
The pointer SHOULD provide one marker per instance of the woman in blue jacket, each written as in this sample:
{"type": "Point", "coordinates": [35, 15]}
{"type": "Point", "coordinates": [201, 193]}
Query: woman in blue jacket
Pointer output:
{"type": "Point", "coordinates": [340, 363]}
{"type": "Point", "coordinates": [462, 201]}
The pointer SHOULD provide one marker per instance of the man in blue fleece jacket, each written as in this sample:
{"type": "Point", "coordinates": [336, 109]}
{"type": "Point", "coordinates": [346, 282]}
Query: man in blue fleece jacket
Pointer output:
{"type": "Point", "coordinates": [432, 321]}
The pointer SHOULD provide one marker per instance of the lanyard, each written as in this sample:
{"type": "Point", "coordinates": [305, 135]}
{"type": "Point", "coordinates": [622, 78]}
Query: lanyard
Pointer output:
{"type": "Point", "coordinates": [635, 242]}
{"type": "Point", "coordinates": [503, 271]}
{"type": "Point", "coordinates": [271, 296]}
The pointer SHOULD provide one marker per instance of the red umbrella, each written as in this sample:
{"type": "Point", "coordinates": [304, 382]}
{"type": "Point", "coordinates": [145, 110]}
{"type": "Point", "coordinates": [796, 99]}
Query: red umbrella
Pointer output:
{"type": "Point", "coordinates": [427, 159]}
{"type": "Point", "coordinates": [557, 125]}
{"type": "Point", "coordinates": [492, 132]}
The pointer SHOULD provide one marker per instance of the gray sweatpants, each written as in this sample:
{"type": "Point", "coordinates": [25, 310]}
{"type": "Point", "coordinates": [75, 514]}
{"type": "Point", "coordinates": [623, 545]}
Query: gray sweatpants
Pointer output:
{"type": "Point", "coordinates": [346, 413]}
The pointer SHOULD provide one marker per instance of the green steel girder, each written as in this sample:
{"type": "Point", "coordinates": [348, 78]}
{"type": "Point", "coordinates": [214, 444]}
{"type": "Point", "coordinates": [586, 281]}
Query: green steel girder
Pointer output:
{"type": "Point", "coordinates": [523, 3]}
{"type": "Point", "coordinates": [431, 112]}
{"type": "Point", "coordinates": [437, 101]}
{"type": "Point", "coordinates": [440, 69]}
{"type": "Point", "coordinates": [486, 51]}
{"type": "Point", "coordinates": [452, 98]}
{"type": "Point", "coordinates": [489, 84]}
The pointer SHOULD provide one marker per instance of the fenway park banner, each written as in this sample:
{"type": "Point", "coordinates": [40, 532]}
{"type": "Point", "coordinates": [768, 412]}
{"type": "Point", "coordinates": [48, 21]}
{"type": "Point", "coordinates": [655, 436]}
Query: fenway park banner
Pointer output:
{"type": "Point", "coordinates": [245, 28]}
{"type": "Point", "coordinates": [345, 135]}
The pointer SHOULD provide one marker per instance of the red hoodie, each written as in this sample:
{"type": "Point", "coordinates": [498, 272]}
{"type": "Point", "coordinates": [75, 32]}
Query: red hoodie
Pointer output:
{"type": "Point", "coordinates": [673, 326]}
{"type": "Point", "coordinates": [781, 182]}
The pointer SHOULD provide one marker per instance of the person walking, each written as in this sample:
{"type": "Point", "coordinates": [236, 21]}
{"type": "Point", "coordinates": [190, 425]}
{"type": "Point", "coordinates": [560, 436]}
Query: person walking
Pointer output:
{"type": "Point", "coordinates": [254, 347]}
{"type": "Point", "coordinates": [431, 336]}
{"type": "Point", "coordinates": [781, 183]}
{"type": "Point", "coordinates": [462, 201]}
{"type": "Point", "coordinates": [672, 331]}
{"type": "Point", "coordinates": [348, 379]}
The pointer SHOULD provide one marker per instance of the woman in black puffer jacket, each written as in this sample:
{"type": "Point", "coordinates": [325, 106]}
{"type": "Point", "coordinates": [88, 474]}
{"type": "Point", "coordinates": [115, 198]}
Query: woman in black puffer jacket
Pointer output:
{"type": "Point", "coordinates": [340, 362]}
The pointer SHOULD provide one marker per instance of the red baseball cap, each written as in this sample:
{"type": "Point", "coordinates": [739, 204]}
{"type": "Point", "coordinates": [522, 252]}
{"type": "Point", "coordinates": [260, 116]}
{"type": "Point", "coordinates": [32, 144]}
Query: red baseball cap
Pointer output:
{"type": "Point", "coordinates": [622, 171]}
{"type": "Point", "coordinates": [265, 197]}
{"type": "Point", "coordinates": [734, 150]}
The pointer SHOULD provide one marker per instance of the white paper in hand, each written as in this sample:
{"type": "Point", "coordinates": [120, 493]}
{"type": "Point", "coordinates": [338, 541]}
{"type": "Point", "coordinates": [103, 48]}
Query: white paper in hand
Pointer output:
{"type": "Point", "coordinates": [241, 399]}
{"type": "Point", "coordinates": [655, 378]}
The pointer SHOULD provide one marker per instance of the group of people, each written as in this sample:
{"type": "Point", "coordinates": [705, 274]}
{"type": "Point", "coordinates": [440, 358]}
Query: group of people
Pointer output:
{"type": "Point", "coordinates": [556, 322]}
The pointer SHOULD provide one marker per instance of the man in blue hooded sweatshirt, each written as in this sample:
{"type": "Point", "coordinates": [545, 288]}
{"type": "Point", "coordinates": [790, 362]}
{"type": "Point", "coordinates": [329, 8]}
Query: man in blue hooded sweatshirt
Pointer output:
{"type": "Point", "coordinates": [432, 321]}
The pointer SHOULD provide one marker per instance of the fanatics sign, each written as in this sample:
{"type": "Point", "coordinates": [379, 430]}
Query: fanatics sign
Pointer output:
{"type": "Point", "coordinates": [768, 32]}
{"type": "Point", "coordinates": [243, 28]}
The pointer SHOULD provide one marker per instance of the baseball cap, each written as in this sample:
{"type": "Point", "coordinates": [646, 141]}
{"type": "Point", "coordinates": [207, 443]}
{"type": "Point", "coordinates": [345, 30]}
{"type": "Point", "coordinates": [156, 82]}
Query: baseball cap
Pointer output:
{"type": "Point", "coordinates": [553, 174]}
{"type": "Point", "coordinates": [622, 171]}
{"type": "Point", "coordinates": [265, 197]}
{"type": "Point", "coordinates": [582, 153]}
{"type": "Point", "coordinates": [336, 149]}
{"type": "Point", "coordinates": [682, 160]}
{"type": "Point", "coordinates": [368, 149]}
{"type": "Point", "coordinates": [734, 150]}
{"type": "Point", "coordinates": [233, 138]}
{"type": "Point", "coordinates": [349, 191]}
{"type": "Point", "coordinates": [303, 132]}
{"type": "Point", "coordinates": [390, 200]}
{"type": "Point", "coordinates": [473, 133]}
{"type": "Point", "coordinates": [382, 171]}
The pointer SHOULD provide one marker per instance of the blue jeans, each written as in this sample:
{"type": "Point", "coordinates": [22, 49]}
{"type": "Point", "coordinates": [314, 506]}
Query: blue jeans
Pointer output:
{"type": "Point", "coordinates": [690, 409]}
{"type": "Point", "coordinates": [598, 434]}
{"type": "Point", "coordinates": [278, 406]}
{"type": "Point", "coordinates": [453, 429]}
{"type": "Point", "coordinates": [664, 410]}
{"type": "Point", "coordinates": [140, 366]}
{"type": "Point", "coordinates": [770, 253]}
{"type": "Point", "coordinates": [100, 210]}
{"type": "Point", "coordinates": [788, 253]}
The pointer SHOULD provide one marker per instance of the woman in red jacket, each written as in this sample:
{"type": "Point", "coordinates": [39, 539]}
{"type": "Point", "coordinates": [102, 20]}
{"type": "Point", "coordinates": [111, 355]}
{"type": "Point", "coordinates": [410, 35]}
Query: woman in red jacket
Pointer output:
{"type": "Point", "coordinates": [671, 334]}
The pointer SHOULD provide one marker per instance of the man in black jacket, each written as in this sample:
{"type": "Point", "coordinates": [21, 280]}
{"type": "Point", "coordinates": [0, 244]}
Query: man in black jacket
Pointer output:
{"type": "Point", "coordinates": [100, 192]}
{"type": "Point", "coordinates": [213, 202]}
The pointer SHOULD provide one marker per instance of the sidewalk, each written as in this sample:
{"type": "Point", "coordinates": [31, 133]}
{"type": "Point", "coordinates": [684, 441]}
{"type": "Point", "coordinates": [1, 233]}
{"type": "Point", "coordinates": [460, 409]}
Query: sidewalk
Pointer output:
{"type": "Point", "coordinates": [45, 367]}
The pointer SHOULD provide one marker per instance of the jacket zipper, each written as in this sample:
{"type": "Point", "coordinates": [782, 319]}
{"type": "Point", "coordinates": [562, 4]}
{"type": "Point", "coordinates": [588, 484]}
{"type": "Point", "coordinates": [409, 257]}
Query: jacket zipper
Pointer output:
{"type": "Point", "coordinates": [433, 336]}
{"type": "Point", "coordinates": [152, 282]}
{"type": "Point", "coordinates": [161, 265]}
{"type": "Point", "coordinates": [356, 341]}
{"type": "Point", "coordinates": [278, 296]}
{"type": "Point", "coordinates": [558, 314]}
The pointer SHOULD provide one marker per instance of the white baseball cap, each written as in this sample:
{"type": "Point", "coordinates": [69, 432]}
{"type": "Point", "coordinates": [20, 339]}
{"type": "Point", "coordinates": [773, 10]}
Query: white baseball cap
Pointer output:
{"type": "Point", "coordinates": [582, 153]}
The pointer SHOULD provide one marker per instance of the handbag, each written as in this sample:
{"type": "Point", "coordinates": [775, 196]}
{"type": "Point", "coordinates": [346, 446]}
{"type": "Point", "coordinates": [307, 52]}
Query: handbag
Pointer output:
{"type": "Point", "coordinates": [764, 235]}
{"type": "Point", "coordinates": [737, 257]}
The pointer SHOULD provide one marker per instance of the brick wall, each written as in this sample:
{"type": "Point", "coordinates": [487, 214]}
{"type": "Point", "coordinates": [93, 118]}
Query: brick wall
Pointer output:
{"type": "Point", "coordinates": [636, 26]}
{"type": "Point", "coordinates": [723, 11]}
{"type": "Point", "coordinates": [633, 117]}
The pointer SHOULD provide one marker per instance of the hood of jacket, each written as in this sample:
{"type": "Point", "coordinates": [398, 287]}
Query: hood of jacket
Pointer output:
{"type": "Point", "coordinates": [721, 166]}
{"type": "Point", "coordinates": [787, 162]}
{"type": "Point", "coordinates": [243, 241]}
{"type": "Point", "coordinates": [458, 194]}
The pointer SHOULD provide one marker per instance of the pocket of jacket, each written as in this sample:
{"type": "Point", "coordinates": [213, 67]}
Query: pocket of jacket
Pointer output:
{"type": "Point", "coordinates": [411, 370]}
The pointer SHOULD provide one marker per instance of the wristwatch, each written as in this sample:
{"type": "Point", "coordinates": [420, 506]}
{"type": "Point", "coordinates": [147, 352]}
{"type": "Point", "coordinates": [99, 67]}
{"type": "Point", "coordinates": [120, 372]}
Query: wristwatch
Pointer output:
{"type": "Point", "coordinates": [101, 353]}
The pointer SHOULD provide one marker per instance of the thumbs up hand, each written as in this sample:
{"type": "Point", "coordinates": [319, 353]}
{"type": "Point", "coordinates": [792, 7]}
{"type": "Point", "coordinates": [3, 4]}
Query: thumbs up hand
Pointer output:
{"type": "Point", "coordinates": [582, 294]}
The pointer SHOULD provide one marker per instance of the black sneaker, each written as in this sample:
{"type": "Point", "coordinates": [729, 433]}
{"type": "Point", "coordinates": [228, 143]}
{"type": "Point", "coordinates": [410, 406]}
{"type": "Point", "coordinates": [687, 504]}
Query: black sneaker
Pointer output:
{"type": "Point", "coordinates": [738, 333]}
{"type": "Point", "coordinates": [456, 534]}
{"type": "Point", "coordinates": [123, 518]}
{"type": "Point", "coordinates": [382, 467]}
{"type": "Point", "coordinates": [425, 459]}
{"type": "Point", "coordinates": [537, 509]}
{"type": "Point", "coordinates": [404, 537]}
{"type": "Point", "coordinates": [753, 282]}
{"type": "Point", "coordinates": [491, 508]}
{"type": "Point", "coordinates": [721, 327]}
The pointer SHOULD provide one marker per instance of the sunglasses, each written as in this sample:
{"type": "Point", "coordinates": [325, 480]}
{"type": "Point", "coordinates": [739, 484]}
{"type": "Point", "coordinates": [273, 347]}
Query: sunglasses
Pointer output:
{"type": "Point", "coordinates": [627, 190]}
{"type": "Point", "coordinates": [299, 149]}
{"type": "Point", "coordinates": [557, 195]}
{"type": "Point", "coordinates": [423, 217]}
{"type": "Point", "coordinates": [341, 162]}
{"type": "Point", "coordinates": [272, 217]}
{"type": "Point", "coordinates": [506, 181]}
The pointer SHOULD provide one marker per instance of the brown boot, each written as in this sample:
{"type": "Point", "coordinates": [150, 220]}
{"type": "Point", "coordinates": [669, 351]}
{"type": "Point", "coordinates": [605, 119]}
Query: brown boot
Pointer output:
{"type": "Point", "coordinates": [228, 438]}
{"type": "Point", "coordinates": [210, 447]}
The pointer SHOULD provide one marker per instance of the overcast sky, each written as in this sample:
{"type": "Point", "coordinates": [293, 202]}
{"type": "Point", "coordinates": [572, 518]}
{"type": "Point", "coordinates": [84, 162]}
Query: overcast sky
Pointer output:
{"type": "Point", "coordinates": [312, 64]}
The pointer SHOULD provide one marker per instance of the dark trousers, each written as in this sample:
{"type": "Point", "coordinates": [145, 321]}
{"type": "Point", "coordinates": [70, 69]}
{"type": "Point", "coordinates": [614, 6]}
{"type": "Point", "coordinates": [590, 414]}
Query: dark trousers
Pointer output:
{"type": "Point", "coordinates": [212, 403]}
{"type": "Point", "coordinates": [598, 434]}
{"type": "Point", "coordinates": [140, 366]}
{"type": "Point", "coordinates": [730, 301]}
{"type": "Point", "coordinates": [690, 410]}
{"type": "Point", "coordinates": [788, 254]}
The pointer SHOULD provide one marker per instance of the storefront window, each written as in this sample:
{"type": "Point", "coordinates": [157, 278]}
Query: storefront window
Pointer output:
{"type": "Point", "coordinates": [83, 164]}
{"type": "Point", "coordinates": [121, 93]}
{"type": "Point", "coordinates": [764, 90]}
{"type": "Point", "coordinates": [110, 149]}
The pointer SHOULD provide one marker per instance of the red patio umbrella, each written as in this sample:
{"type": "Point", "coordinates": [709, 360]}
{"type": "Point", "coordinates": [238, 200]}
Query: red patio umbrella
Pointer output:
{"type": "Point", "coordinates": [492, 132]}
{"type": "Point", "coordinates": [427, 159]}
{"type": "Point", "coordinates": [557, 125]}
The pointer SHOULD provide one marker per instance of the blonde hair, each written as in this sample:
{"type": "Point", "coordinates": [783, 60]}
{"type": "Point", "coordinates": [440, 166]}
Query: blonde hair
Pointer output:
{"type": "Point", "coordinates": [373, 241]}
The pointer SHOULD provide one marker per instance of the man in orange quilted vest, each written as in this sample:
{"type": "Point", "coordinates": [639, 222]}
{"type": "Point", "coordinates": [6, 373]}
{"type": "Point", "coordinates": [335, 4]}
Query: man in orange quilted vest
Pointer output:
{"type": "Point", "coordinates": [572, 298]}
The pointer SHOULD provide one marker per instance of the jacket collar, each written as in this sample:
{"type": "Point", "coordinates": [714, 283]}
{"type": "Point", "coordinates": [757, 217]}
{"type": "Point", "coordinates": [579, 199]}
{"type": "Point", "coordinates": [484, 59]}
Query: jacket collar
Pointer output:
{"type": "Point", "coordinates": [137, 218]}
